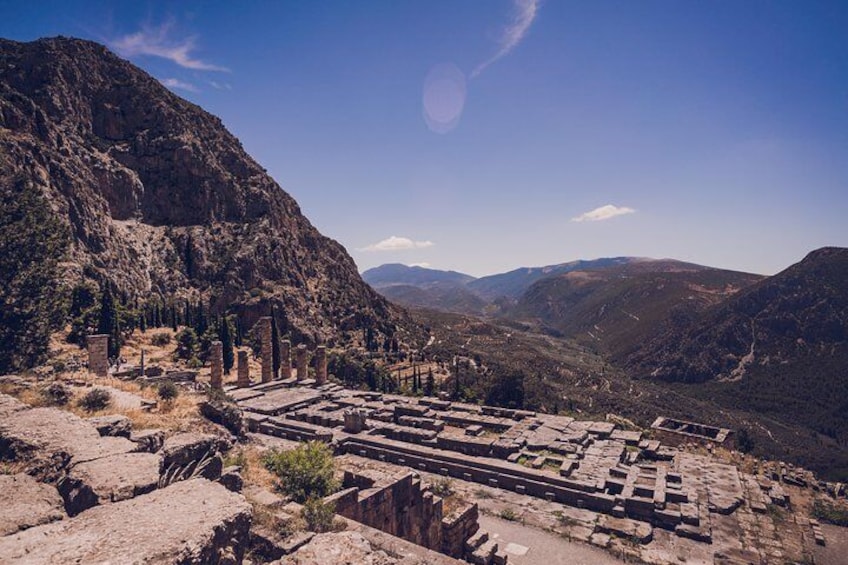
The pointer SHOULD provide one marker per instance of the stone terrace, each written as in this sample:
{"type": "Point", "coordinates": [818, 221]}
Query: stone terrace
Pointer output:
{"type": "Point", "coordinates": [634, 485]}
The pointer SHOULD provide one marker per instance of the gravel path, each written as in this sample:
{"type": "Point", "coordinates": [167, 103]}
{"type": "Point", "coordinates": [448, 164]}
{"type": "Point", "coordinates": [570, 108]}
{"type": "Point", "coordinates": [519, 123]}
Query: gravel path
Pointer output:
{"type": "Point", "coordinates": [531, 546]}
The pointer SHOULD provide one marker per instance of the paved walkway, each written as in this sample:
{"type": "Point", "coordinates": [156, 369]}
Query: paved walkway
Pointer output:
{"type": "Point", "coordinates": [530, 546]}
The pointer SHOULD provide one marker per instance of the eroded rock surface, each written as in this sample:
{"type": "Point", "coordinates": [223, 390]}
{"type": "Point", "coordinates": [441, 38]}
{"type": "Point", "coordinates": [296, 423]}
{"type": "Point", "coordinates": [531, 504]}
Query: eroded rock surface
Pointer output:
{"type": "Point", "coordinates": [109, 479]}
{"type": "Point", "coordinates": [191, 522]}
{"type": "Point", "coordinates": [49, 440]}
{"type": "Point", "coordinates": [24, 503]}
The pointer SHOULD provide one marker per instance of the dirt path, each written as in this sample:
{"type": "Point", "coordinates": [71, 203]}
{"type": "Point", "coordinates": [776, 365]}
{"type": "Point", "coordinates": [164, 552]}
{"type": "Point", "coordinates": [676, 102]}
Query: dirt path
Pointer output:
{"type": "Point", "coordinates": [530, 546]}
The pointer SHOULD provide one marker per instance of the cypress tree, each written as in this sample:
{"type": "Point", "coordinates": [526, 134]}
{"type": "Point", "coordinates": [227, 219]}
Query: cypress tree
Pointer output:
{"type": "Point", "coordinates": [108, 323]}
{"type": "Point", "coordinates": [431, 383]}
{"type": "Point", "coordinates": [238, 336]}
{"type": "Point", "coordinates": [225, 335]}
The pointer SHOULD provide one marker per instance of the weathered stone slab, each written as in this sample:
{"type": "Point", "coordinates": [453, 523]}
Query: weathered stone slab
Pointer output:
{"type": "Point", "coordinates": [48, 440]}
{"type": "Point", "coordinates": [191, 454]}
{"type": "Point", "coordinates": [192, 522]}
{"type": "Point", "coordinates": [278, 401]}
{"type": "Point", "coordinates": [24, 503]}
{"type": "Point", "coordinates": [109, 479]}
{"type": "Point", "coordinates": [114, 425]}
{"type": "Point", "coordinates": [149, 441]}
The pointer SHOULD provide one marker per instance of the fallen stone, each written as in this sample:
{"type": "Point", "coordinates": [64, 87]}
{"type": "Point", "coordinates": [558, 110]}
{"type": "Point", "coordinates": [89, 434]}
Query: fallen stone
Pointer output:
{"type": "Point", "coordinates": [49, 440]}
{"type": "Point", "coordinates": [226, 414]}
{"type": "Point", "coordinates": [193, 522]}
{"type": "Point", "coordinates": [109, 479]}
{"type": "Point", "coordinates": [26, 503]}
{"type": "Point", "coordinates": [232, 479]}
{"type": "Point", "coordinates": [190, 455]}
{"type": "Point", "coordinates": [149, 441]}
{"type": "Point", "coordinates": [115, 425]}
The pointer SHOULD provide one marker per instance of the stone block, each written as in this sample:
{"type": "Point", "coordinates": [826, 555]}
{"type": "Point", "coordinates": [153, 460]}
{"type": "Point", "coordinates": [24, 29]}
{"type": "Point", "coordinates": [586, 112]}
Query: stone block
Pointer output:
{"type": "Point", "coordinates": [132, 531]}
{"type": "Point", "coordinates": [26, 503]}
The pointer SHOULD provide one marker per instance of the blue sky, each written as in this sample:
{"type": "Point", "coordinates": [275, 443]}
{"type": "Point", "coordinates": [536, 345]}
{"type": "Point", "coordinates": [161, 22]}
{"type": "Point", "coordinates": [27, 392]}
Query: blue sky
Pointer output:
{"type": "Point", "coordinates": [486, 135]}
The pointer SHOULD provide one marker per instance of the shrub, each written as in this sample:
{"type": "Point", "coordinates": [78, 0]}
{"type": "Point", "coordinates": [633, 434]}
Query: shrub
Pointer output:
{"type": "Point", "coordinates": [443, 487]}
{"type": "Point", "coordinates": [167, 391]}
{"type": "Point", "coordinates": [318, 515]}
{"type": "Point", "coordinates": [95, 399]}
{"type": "Point", "coordinates": [56, 394]}
{"type": "Point", "coordinates": [508, 514]}
{"type": "Point", "coordinates": [304, 472]}
{"type": "Point", "coordinates": [161, 339]}
{"type": "Point", "coordinates": [830, 512]}
{"type": "Point", "coordinates": [186, 344]}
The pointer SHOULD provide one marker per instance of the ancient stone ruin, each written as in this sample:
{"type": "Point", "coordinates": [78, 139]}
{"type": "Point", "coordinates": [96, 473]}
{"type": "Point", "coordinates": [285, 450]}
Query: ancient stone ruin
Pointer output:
{"type": "Point", "coordinates": [285, 359]}
{"type": "Point", "coordinates": [98, 354]}
{"type": "Point", "coordinates": [321, 365]}
{"type": "Point", "coordinates": [266, 350]}
{"type": "Point", "coordinates": [243, 369]}
{"type": "Point", "coordinates": [302, 362]}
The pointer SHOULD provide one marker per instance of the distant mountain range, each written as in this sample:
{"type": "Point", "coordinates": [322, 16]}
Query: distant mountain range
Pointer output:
{"type": "Point", "coordinates": [451, 291]}
{"type": "Point", "coordinates": [773, 347]}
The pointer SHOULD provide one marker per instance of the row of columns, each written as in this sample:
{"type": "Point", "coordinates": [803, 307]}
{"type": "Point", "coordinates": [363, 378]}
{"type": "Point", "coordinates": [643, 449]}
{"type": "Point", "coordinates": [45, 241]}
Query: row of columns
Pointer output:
{"type": "Point", "coordinates": [266, 350]}
{"type": "Point", "coordinates": [98, 361]}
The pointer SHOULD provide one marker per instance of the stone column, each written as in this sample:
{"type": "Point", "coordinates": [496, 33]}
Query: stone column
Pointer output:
{"type": "Point", "coordinates": [243, 369]}
{"type": "Point", "coordinates": [302, 362]}
{"type": "Point", "coordinates": [285, 359]}
{"type": "Point", "coordinates": [321, 365]}
{"type": "Point", "coordinates": [267, 351]}
{"type": "Point", "coordinates": [98, 354]}
{"type": "Point", "coordinates": [216, 360]}
{"type": "Point", "coordinates": [354, 421]}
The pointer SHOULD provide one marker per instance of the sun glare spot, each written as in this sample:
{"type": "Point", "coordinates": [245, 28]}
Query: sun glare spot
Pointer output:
{"type": "Point", "coordinates": [444, 97]}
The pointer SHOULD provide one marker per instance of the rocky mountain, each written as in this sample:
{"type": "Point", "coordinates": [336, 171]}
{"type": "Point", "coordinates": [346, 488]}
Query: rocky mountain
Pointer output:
{"type": "Point", "coordinates": [778, 348]}
{"type": "Point", "coordinates": [396, 273]}
{"type": "Point", "coordinates": [419, 287]}
{"type": "Point", "coordinates": [616, 308]}
{"type": "Point", "coordinates": [447, 297]}
{"type": "Point", "coordinates": [158, 197]}
{"type": "Point", "coordinates": [513, 283]}
{"type": "Point", "coordinates": [799, 312]}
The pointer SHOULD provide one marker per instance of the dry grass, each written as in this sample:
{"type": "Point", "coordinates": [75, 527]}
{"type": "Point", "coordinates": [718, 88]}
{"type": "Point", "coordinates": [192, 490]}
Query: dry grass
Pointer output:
{"type": "Point", "coordinates": [253, 471]}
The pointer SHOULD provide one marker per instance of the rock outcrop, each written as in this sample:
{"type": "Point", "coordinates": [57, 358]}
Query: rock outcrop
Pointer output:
{"type": "Point", "coordinates": [192, 522]}
{"type": "Point", "coordinates": [160, 198]}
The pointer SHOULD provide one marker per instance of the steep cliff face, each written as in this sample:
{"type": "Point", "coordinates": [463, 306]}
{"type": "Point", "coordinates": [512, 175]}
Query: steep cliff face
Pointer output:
{"type": "Point", "coordinates": [159, 197]}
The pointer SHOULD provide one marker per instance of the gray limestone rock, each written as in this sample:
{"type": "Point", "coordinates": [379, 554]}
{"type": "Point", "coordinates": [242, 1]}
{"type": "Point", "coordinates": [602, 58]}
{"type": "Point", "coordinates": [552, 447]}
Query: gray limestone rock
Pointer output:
{"type": "Point", "coordinates": [114, 425]}
{"type": "Point", "coordinates": [189, 455]}
{"type": "Point", "coordinates": [192, 522]}
{"type": "Point", "coordinates": [149, 441]}
{"type": "Point", "coordinates": [49, 440]}
{"type": "Point", "coordinates": [109, 479]}
{"type": "Point", "coordinates": [24, 503]}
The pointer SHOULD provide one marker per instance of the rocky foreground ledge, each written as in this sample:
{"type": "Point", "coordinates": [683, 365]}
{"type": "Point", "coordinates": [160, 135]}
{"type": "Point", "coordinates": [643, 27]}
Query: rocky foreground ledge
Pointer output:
{"type": "Point", "coordinates": [95, 491]}
{"type": "Point", "coordinates": [195, 521]}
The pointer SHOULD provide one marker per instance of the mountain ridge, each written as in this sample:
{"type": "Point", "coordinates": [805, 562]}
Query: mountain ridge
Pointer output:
{"type": "Point", "coordinates": [160, 199]}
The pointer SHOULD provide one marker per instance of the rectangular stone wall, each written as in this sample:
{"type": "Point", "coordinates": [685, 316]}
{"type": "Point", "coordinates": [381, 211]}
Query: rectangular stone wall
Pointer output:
{"type": "Point", "coordinates": [402, 508]}
{"type": "Point", "coordinates": [98, 354]}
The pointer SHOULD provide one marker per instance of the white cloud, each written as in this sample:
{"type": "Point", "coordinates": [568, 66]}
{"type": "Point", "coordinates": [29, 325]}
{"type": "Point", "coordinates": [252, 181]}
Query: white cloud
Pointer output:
{"type": "Point", "coordinates": [157, 42]}
{"type": "Point", "coordinates": [424, 265]}
{"type": "Point", "coordinates": [173, 83]}
{"type": "Point", "coordinates": [395, 243]}
{"type": "Point", "coordinates": [524, 12]}
{"type": "Point", "coordinates": [220, 85]}
{"type": "Point", "coordinates": [603, 213]}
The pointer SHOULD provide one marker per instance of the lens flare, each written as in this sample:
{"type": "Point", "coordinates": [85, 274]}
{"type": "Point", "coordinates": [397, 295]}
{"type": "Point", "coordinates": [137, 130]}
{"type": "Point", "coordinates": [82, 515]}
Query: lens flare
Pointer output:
{"type": "Point", "coordinates": [444, 97]}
